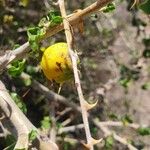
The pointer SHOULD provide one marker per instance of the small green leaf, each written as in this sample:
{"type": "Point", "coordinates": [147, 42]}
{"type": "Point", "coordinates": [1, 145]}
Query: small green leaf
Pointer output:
{"type": "Point", "coordinates": [109, 141]}
{"type": "Point", "coordinates": [32, 135]}
{"type": "Point", "coordinates": [144, 131]}
{"type": "Point", "coordinates": [127, 75]}
{"type": "Point", "coordinates": [124, 82]}
{"type": "Point", "coordinates": [19, 102]}
{"type": "Point", "coordinates": [46, 122]}
{"type": "Point", "coordinates": [113, 116]}
{"type": "Point", "coordinates": [146, 86]}
{"type": "Point", "coordinates": [16, 68]}
{"type": "Point", "coordinates": [34, 35]}
{"type": "Point", "coordinates": [94, 130]}
{"type": "Point", "coordinates": [15, 46]}
{"type": "Point", "coordinates": [145, 6]}
{"type": "Point", "coordinates": [146, 53]}
{"type": "Point", "coordinates": [146, 42]}
{"type": "Point", "coordinates": [59, 125]}
{"type": "Point", "coordinates": [109, 8]}
{"type": "Point", "coordinates": [67, 146]}
{"type": "Point", "coordinates": [54, 17]}
{"type": "Point", "coordinates": [126, 119]}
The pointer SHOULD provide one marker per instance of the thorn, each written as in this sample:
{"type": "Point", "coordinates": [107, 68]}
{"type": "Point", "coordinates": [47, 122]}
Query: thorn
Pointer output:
{"type": "Point", "coordinates": [134, 3]}
{"type": "Point", "coordinates": [90, 106]}
{"type": "Point", "coordinates": [94, 141]}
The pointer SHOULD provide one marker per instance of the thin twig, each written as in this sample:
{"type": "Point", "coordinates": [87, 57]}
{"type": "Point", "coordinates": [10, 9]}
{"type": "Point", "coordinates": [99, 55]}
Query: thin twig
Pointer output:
{"type": "Point", "coordinates": [70, 128]}
{"type": "Point", "coordinates": [62, 113]}
{"type": "Point", "coordinates": [66, 122]}
{"type": "Point", "coordinates": [120, 124]}
{"type": "Point", "coordinates": [53, 128]}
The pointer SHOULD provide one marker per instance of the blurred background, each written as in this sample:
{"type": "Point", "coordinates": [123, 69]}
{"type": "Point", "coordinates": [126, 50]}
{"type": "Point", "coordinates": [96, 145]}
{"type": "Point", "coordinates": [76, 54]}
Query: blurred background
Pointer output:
{"type": "Point", "coordinates": [114, 51]}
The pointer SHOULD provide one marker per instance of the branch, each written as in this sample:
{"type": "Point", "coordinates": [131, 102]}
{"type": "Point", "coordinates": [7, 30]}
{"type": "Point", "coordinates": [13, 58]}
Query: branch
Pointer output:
{"type": "Point", "coordinates": [70, 128]}
{"type": "Point", "coordinates": [84, 105]}
{"type": "Point", "coordinates": [107, 132]}
{"type": "Point", "coordinates": [50, 95]}
{"type": "Point", "coordinates": [120, 124]}
{"type": "Point", "coordinates": [18, 124]}
{"type": "Point", "coordinates": [73, 19]}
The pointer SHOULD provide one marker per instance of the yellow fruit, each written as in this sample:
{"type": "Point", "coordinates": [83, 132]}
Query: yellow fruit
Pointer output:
{"type": "Point", "coordinates": [56, 63]}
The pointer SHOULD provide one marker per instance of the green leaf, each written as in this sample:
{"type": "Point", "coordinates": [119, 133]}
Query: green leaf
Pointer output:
{"type": "Point", "coordinates": [34, 35]}
{"type": "Point", "coordinates": [19, 102]}
{"type": "Point", "coordinates": [144, 131]}
{"type": "Point", "coordinates": [109, 141]}
{"type": "Point", "coordinates": [146, 41]}
{"type": "Point", "coordinates": [53, 18]}
{"type": "Point", "coordinates": [113, 116]}
{"type": "Point", "coordinates": [124, 82]}
{"type": "Point", "coordinates": [109, 8]}
{"type": "Point", "coordinates": [146, 86]}
{"type": "Point", "coordinates": [127, 75]}
{"type": "Point", "coordinates": [32, 135]}
{"type": "Point", "coordinates": [126, 119]}
{"type": "Point", "coordinates": [145, 6]}
{"type": "Point", "coordinates": [67, 146]}
{"type": "Point", "coordinates": [46, 122]}
{"type": "Point", "coordinates": [15, 46]}
{"type": "Point", "coordinates": [94, 131]}
{"type": "Point", "coordinates": [59, 125]}
{"type": "Point", "coordinates": [146, 53]}
{"type": "Point", "coordinates": [16, 68]}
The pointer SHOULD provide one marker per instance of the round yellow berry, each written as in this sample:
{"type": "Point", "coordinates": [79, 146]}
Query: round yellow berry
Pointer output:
{"type": "Point", "coordinates": [56, 63]}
